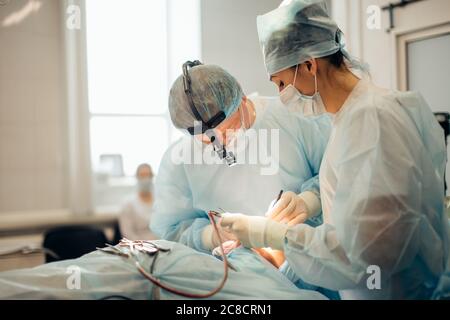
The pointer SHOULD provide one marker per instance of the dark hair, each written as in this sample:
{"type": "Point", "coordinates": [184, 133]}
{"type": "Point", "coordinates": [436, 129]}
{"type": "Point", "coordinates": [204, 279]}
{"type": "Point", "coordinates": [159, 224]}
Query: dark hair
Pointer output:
{"type": "Point", "coordinates": [336, 59]}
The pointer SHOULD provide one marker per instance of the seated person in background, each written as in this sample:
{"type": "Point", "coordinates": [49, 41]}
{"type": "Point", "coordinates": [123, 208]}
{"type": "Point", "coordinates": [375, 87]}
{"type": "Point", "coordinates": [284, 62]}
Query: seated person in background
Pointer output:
{"type": "Point", "coordinates": [134, 219]}
{"type": "Point", "coordinates": [274, 150]}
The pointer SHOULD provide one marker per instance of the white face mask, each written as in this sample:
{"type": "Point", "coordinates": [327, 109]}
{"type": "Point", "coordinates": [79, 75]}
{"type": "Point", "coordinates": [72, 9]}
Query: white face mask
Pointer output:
{"type": "Point", "coordinates": [145, 185]}
{"type": "Point", "coordinates": [295, 101]}
{"type": "Point", "coordinates": [236, 142]}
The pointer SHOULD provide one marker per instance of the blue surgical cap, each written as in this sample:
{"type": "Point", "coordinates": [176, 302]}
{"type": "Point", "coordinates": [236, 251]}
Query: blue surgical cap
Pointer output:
{"type": "Point", "coordinates": [213, 90]}
{"type": "Point", "coordinates": [295, 32]}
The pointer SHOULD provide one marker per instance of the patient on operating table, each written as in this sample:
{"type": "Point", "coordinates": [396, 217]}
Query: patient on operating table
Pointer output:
{"type": "Point", "coordinates": [155, 270]}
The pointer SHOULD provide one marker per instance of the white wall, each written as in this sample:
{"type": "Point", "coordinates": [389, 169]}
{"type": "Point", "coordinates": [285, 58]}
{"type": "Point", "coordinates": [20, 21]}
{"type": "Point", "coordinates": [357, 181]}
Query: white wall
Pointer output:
{"type": "Point", "coordinates": [34, 166]}
{"type": "Point", "coordinates": [432, 79]}
{"type": "Point", "coordinates": [32, 169]}
{"type": "Point", "coordinates": [376, 47]}
{"type": "Point", "coordinates": [230, 39]}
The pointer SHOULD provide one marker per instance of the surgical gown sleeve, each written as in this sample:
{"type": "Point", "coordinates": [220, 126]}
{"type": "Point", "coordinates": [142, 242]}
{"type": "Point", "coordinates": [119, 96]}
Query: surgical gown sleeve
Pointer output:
{"type": "Point", "coordinates": [376, 212]}
{"type": "Point", "coordinates": [313, 137]}
{"type": "Point", "coordinates": [175, 218]}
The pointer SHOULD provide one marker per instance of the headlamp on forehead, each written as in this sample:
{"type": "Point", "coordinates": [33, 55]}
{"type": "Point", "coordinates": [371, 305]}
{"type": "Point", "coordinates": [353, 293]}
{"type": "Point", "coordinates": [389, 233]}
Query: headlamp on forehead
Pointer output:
{"type": "Point", "coordinates": [205, 127]}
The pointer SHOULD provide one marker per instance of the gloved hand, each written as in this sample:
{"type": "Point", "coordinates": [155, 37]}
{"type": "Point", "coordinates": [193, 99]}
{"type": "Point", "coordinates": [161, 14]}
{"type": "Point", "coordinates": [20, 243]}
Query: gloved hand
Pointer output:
{"type": "Point", "coordinates": [255, 232]}
{"type": "Point", "coordinates": [293, 209]}
{"type": "Point", "coordinates": [210, 239]}
{"type": "Point", "coordinates": [228, 246]}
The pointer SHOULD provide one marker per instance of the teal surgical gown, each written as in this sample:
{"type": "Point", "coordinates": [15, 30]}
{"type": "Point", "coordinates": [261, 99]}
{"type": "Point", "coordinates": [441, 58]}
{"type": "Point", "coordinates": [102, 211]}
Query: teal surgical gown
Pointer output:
{"type": "Point", "coordinates": [289, 148]}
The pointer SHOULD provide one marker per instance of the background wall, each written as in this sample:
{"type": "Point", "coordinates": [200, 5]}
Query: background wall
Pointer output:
{"type": "Point", "coordinates": [32, 166]}
{"type": "Point", "coordinates": [33, 127]}
{"type": "Point", "coordinates": [376, 46]}
{"type": "Point", "coordinates": [230, 39]}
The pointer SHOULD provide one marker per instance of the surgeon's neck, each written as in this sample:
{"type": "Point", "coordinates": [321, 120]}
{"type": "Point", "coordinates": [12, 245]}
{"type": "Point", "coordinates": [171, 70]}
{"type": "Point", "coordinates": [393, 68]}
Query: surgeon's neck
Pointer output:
{"type": "Point", "coordinates": [336, 88]}
{"type": "Point", "coordinates": [146, 197]}
{"type": "Point", "coordinates": [250, 115]}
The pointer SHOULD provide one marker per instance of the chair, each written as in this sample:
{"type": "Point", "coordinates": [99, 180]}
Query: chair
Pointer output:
{"type": "Point", "coordinates": [72, 242]}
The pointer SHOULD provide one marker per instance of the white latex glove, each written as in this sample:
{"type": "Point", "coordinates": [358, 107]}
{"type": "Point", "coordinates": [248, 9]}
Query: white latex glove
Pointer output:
{"type": "Point", "coordinates": [228, 246]}
{"type": "Point", "coordinates": [255, 232]}
{"type": "Point", "coordinates": [211, 240]}
{"type": "Point", "coordinates": [293, 209]}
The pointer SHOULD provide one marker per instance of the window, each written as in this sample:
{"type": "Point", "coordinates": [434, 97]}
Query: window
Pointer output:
{"type": "Point", "coordinates": [130, 70]}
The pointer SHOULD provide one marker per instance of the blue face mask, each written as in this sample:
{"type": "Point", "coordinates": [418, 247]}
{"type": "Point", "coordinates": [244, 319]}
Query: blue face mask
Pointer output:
{"type": "Point", "coordinates": [295, 101]}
